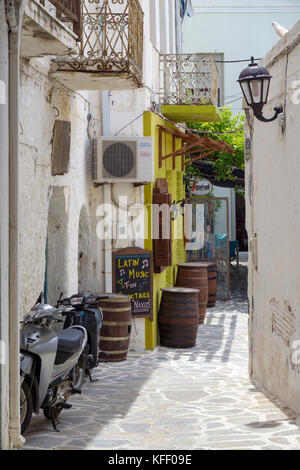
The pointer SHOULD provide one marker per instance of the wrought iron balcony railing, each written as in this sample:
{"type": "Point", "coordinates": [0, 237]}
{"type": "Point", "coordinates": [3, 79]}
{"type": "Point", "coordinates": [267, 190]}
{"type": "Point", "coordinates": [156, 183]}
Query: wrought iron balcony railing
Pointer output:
{"type": "Point", "coordinates": [111, 40]}
{"type": "Point", "coordinates": [68, 11]}
{"type": "Point", "coordinates": [188, 79]}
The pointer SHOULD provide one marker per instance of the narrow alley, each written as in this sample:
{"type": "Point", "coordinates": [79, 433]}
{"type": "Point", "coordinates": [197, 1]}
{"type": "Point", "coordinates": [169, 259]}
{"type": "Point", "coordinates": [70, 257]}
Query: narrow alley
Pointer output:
{"type": "Point", "coordinates": [199, 398]}
{"type": "Point", "coordinates": [149, 226]}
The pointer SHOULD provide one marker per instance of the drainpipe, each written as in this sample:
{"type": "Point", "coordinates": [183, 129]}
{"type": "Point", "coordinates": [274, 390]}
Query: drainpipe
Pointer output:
{"type": "Point", "coordinates": [15, 10]}
{"type": "Point", "coordinates": [107, 198]}
{"type": "Point", "coordinates": [178, 21]}
{"type": "Point", "coordinates": [107, 246]}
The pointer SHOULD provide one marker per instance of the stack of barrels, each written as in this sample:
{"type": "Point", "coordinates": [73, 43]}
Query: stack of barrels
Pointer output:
{"type": "Point", "coordinates": [116, 328]}
{"type": "Point", "coordinates": [183, 307]}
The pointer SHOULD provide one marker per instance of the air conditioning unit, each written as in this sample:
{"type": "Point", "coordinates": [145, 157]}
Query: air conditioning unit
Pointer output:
{"type": "Point", "coordinates": [125, 159]}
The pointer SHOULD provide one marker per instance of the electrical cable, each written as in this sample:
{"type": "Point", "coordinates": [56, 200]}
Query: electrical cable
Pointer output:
{"type": "Point", "coordinates": [140, 115]}
{"type": "Point", "coordinates": [230, 96]}
{"type": "Point", "coordinates": [234, 61]}
{"type": "Point", "coordinates": [233, 101]}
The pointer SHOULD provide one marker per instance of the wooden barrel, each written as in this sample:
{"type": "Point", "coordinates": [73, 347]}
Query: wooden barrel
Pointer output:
{"type": "Point", "coordinates": [212, 285]}
{"type": "Point", "coordinates": [178, 317]}
{"type": "Point", "coordinates": [194, 275]}
{"type": "Point", "coordinates": [116, 328]}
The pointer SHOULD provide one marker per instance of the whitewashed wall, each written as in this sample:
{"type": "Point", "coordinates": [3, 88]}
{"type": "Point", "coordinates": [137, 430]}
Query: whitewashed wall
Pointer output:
{"type": "Point", "coordinates": [56, 200]}
{"type": "Point", "coordinates": [273, 215]}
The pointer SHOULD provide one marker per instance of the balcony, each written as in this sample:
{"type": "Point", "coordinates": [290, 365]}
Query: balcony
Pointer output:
{"type": "Point", "coordinates": [68, 11]}
{"type": "Point", "coordinates": [189, 88]}
{"type": "Point", "coordinates": [110, 55]}
{"type": "Point", "coordinates": [50, 28]}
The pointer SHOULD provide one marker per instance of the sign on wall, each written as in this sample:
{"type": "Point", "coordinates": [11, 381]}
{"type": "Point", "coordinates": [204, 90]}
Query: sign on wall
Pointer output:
{"type": "Point", "coordinates": [201, 187]}
{"type": "Point", "coordinates": [133, 276]}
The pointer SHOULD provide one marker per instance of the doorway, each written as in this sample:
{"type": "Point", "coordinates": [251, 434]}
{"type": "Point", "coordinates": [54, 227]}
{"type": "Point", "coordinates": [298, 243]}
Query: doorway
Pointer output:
{"type": "Point", "coordinates": [56, 247]}
{"type": "Point", "coordinates": [209, 222]}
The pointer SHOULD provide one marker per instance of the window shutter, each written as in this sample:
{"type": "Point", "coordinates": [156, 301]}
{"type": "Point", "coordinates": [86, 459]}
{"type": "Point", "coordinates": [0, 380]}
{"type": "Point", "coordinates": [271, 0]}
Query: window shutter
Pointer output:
{"type": "Point", "coordinates": [61, 147]}
{"type": "Point", "coordinates": [162, 247]}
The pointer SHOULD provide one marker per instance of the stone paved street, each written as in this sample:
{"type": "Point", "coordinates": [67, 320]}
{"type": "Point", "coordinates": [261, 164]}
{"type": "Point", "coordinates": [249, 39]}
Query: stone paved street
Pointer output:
{"type": "Point", "coordinates": [176, 399]}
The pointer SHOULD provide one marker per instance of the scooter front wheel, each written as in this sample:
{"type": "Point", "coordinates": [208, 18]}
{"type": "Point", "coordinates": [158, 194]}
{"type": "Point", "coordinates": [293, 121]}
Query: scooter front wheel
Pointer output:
{"type": "Point", "coordinates": [26, 407]}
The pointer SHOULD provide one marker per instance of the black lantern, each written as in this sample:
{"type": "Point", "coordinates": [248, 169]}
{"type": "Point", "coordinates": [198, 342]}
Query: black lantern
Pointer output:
{"type": "Point", "coordinates": [255, 84]}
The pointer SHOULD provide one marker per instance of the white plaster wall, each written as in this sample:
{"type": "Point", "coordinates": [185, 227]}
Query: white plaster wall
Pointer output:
{"type": "Point", "coordinates": [40, 100]}
{"type": "Point", "coordinates": [273, 217]}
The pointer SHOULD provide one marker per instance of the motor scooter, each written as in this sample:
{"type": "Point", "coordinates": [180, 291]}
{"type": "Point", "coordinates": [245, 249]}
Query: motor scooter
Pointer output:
{"type": "Point", "coordinates": [83, 309]}
{"type": "Point", "coordinates": [49, 363]}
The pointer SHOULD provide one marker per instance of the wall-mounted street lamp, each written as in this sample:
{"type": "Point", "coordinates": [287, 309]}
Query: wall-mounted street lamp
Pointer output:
{"type": "Point", "coordinates": [255, 85]}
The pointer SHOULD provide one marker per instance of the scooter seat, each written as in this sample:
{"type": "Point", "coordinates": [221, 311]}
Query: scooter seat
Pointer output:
{"type": "Point", "coordinates": [70, 340]}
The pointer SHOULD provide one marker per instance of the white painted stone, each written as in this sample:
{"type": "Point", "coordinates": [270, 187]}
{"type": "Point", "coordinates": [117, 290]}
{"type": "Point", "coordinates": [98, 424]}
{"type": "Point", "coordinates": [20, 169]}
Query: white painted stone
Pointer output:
{"type": "Point", "coordinates": [53, 203]}
{"type": "Point", "coordinates": [2, 92]}
{"type": "Point", "coordinates": [273, 223]}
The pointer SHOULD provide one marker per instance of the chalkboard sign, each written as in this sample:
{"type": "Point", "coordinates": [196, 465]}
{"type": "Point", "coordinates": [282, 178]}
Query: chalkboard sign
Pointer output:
{"type": "Point", "coordinates": [133, 276]}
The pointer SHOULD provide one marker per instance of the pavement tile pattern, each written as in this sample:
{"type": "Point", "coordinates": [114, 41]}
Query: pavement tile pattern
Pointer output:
{"type": "Point", "coordinates": [199, 398]}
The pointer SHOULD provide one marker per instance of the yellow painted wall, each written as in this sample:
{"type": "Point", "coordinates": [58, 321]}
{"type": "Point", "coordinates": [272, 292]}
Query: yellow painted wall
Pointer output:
{"type": "Point", "coordinates": [176, 187]}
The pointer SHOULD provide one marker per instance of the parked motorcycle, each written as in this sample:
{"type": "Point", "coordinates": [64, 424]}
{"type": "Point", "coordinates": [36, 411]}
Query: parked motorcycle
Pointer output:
{"type": "Point", "coordinates": [49, 363]}
{"type": "Point", "coordinates": [81, 310]}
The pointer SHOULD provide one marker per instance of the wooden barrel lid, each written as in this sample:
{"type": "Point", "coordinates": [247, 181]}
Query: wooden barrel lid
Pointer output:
{"type": "Point", "coordinates": [194, 265]}
{"type": "Point", "coordinates": [116, 298]}
{"type": "Point", "coordinates": [180, 290]}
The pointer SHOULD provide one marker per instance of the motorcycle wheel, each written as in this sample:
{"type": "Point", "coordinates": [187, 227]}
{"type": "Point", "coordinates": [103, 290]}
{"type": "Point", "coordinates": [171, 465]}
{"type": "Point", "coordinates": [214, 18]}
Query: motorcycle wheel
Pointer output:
{"type": "Point", "coordinates": [26, 407]}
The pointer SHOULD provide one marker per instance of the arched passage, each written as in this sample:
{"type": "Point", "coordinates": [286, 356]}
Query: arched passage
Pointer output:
{"type": "Point", "coordinates": [56, 248]}
{"type": "Point", "coordinates": [84, 242]}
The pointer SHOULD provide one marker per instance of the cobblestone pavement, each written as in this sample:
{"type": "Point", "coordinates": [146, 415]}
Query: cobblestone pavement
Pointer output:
{"type": "Point", "coordinates": [199, 398]}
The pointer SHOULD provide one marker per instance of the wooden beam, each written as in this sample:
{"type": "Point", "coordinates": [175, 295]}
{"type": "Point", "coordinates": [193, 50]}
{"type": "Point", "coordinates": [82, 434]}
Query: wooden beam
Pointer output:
{"type": "Point", "coordinates": [178, 152]}
{"type": "Point", "coordinates": [205, 143]}
{"type": "Point", "coordinates": [198, 157]}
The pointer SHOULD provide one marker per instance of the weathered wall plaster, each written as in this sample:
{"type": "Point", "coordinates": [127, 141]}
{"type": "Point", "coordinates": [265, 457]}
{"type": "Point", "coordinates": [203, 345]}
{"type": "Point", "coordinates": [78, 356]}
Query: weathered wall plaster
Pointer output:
{"type": "Point", "coordinates": [52, 204]}
{"type": "Point", "coordinates": [273, 195]}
